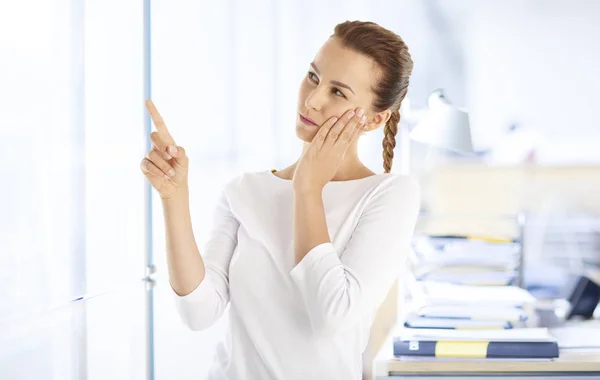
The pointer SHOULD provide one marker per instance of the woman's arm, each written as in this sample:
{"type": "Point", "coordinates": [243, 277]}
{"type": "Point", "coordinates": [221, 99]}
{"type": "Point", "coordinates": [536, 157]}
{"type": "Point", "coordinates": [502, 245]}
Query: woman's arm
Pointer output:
{"type": "Point", "coordinates": [185, 265]}
{"type": "Point", "coordinates": [340, 289]}
{"type": "Point", "coordinates": [200, 283]}
{"type": "Point", "coordinates": [317, 166]}
{"type": "Point", "coordinates": [310, 226]}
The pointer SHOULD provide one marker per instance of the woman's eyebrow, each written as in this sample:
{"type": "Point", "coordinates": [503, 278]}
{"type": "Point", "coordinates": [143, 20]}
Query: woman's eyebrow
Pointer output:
{"type": "Point", "coordinates": [332, 81]}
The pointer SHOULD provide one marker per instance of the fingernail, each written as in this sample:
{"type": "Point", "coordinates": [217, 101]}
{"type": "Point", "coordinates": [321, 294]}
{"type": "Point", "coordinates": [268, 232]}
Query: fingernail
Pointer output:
{"type": "Point", "coordinates": [167, 177]}
{"type": "Point", "coordinates": [171, 172]}
{"type": "Point", "coordinates": [363, 119]}
{"type": "Point", "coordinates": [350, 114]}
{"type": "Point", "coordinates": [173, 150]}
{"type": "Point", "coordinates": [168, 156]}
{"type": "Point", "coordinates": [360, 112]}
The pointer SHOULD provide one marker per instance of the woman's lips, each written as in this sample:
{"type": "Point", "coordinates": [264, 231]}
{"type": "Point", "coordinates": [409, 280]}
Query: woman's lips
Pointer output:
{"type": "Point", "coordinates": [307, 121]}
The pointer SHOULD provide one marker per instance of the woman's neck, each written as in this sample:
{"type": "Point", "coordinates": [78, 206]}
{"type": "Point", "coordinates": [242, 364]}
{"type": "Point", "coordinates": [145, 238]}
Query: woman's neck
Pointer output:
{"type": "Point", "coordinates": [351, 167]}
{"type": "Point", "coordinates": [350, 171]}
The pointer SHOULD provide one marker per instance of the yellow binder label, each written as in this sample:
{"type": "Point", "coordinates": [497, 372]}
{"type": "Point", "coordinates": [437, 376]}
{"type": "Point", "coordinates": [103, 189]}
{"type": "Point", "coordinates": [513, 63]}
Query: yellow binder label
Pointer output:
{"type": "Point", "coordinates": [490, 239]}
{"type": "Point", "coordinates": [453, 349]}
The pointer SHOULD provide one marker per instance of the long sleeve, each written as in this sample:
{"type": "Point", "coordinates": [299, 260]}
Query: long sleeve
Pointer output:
{"type": "Point", "coordinates": [205, 304]}
{"type": "Point", "coordinates": [339, 290]}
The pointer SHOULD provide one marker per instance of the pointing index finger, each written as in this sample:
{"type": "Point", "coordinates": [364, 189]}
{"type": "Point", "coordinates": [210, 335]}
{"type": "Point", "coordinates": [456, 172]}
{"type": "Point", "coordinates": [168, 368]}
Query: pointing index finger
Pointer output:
{"type": "Point", "coordinates": [161, 127]}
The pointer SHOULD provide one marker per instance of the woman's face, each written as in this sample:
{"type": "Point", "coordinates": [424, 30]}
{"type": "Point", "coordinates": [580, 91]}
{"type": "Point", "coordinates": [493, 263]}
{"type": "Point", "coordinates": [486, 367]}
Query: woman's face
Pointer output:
{"type": "Point", "coordinates": [337, 80]}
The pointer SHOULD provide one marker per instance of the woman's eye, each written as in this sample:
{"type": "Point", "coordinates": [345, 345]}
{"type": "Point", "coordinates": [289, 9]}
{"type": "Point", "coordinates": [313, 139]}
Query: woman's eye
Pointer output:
{"type": "Point", "coordinates": [338, 93]}
{"type": "Point", "coordinates": [313, 77]}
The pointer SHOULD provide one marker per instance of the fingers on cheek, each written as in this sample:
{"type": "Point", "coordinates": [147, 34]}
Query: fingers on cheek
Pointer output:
{"type": "Point", "coordinates": [362, 125]}
{"type": "Point", "coordinates": [359, 128]}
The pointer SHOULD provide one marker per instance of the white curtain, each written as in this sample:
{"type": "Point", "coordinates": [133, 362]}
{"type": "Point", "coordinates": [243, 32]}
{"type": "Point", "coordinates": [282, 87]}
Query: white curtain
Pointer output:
{"type": "Point", "coordinates": [115, 139]}
{"type": "Point", "coordinates": [71, 194]}
{"type": "Point", "coordinates": [42, 192]}
{"type": "Point", "coordinates": [41, 88]}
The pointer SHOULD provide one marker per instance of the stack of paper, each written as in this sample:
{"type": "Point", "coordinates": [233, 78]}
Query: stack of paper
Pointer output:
{"type": "Point", "coordinates": [472, 312]}
{"type": "Point", "coordinates": [465, 284]}
{"type": "Point", "coordinates": [418, 322]}
{"type": "Point", "coordinates": [465, 261]}
{"type": "Point", "coordinates": [580, 336]}
{"type": "Point", "coordinates": [464, 276]}
{"type": "Point", "coordinates": [448, 306]}
{"type": "Point", "coordinates": [439, 293]}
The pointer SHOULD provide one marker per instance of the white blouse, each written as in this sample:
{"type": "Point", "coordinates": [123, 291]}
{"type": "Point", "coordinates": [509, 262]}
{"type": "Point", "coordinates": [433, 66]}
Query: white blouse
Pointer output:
{"type": "Point", "coordinates": [311, 320]}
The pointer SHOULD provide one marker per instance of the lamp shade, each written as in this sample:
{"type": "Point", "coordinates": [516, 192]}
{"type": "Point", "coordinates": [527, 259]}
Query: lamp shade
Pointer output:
{"type": "Point", "coordinates": [444, 126]}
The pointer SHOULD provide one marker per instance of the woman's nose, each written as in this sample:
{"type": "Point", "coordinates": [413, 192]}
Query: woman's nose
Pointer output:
{"type": "Point", "coordinates": [314, 100]}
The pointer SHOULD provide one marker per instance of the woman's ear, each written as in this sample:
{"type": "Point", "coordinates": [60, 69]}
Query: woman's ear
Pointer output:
{"type": "Point", "coordinates": [378, 120]}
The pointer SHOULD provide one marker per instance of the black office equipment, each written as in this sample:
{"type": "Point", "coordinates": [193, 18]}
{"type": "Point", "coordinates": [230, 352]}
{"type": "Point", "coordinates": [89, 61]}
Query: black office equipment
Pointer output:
{"type": "Point", "coordinates": [584, 298]}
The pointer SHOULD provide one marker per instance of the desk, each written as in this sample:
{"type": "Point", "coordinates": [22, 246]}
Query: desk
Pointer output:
{"type": "Point", "coordinates": [571, 364]}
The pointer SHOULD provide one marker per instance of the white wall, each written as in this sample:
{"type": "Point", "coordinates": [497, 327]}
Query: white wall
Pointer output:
{"type": "Point", "coordinates": [536, 63]}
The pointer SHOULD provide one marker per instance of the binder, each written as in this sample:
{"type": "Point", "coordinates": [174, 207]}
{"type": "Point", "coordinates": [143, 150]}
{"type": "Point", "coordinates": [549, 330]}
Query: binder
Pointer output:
{"type": "Point", "coordinates": [476, 349]}
{"type": "Point", "coordinates": [533, 343]}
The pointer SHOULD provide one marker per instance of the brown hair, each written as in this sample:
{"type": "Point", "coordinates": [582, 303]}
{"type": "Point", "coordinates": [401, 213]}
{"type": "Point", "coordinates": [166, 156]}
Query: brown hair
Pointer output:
{"type": "Point", "coordinates": [391, 55]}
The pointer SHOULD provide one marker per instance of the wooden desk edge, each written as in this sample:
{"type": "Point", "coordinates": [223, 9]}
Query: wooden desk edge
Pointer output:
{"type": "Point", "coordinates": [569, 361]}
{"type": "Point", "coordinates": [566, 363]}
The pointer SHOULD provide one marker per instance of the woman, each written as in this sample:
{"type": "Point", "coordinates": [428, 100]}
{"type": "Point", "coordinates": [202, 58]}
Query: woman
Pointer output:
{"type": "Point", "coordinates": [304, 255]}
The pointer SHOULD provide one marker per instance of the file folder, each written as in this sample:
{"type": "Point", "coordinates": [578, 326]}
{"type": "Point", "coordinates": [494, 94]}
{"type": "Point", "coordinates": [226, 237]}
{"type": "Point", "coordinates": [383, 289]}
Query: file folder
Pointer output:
{"type": "Point", "coordinates": [476, 349]}
{"type": "Point", "coordinates": [524, 343]}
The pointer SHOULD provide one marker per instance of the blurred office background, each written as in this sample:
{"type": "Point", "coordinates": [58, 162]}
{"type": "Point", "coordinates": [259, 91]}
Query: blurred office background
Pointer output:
{"type": "Point", "coordinates": [74, 225]}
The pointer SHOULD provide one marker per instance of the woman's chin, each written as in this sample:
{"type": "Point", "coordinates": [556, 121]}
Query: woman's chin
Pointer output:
{"type": "Point", "coordinates": [305, 132]}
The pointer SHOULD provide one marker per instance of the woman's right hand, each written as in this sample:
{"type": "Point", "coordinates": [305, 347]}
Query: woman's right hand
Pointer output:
{"type": "Point", "coordinates": [166, 164]}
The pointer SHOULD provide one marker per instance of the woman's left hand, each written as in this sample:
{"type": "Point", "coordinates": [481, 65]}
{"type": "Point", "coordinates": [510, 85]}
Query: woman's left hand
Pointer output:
{"type": "Point", "coordinates": [321, 161]}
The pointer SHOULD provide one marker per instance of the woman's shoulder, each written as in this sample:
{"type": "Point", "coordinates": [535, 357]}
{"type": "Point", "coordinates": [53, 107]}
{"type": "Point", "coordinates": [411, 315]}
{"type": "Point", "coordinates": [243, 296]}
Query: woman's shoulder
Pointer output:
{"type": "Point", "coordinates": [403, 180]}
{"type": "Point", "coordinates": [392, 183]}
{"type": "Point", "coordinates": [248, 181]}
{"type": "Point", "coordinates": [397, 188]}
